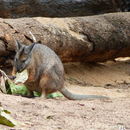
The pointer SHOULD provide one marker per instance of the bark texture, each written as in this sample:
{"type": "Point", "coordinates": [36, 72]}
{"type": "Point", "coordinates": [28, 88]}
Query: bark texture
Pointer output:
{"type": "Point", "coordinates": [81, 39]}
{"type": "Point", "coordinates": [57, 8]}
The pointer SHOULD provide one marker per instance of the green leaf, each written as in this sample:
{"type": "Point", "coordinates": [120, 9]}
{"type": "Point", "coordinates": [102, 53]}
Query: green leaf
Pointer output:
{"type": "Point", "coordinates": [6, 119]}
{"type": "Point", "coordinates": [54, 95]}
{"type": "Point", "coordinates": [6, 111]}
{"type": "Point", "coordinates": [36, 94]}
{"type": "Point", "coordinates": [17, 89]}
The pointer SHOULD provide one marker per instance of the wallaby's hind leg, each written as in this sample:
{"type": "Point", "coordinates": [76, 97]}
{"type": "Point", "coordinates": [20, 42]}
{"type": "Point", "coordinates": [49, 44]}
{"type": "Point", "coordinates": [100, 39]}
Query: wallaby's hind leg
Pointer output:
{"type": "Point", "coordinates": [43, 94]}
{"type": "Point", "coordinates": [48, 86]}
{"type": "Point", "coordinates": [44, 84]}
{"type": "Point", "coordinates": [31, 95]}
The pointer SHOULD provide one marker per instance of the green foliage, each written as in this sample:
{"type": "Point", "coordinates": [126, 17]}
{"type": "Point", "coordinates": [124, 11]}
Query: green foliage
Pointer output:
{"type": "Point", "coordinates": [19, 89]}
{"type": "Point", "coordinates": [6, 119]}
{"type": "Point", "coordinates": [54, 95]}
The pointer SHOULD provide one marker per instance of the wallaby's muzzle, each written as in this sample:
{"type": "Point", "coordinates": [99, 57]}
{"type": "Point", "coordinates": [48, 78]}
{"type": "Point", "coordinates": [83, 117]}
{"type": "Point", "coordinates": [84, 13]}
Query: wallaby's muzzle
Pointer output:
{"type": "Point", "coordinates": [11, 77]}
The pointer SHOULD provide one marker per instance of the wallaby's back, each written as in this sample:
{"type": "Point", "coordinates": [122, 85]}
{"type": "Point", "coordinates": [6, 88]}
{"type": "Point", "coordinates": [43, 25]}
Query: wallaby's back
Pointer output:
{"type": "Point", "coordinates": [47, 58]}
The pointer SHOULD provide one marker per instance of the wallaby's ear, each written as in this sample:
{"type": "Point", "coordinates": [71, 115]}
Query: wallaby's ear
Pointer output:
{"type": "Point", "coordinates": [29, 48]}
{"type": "Point", "coordinates": [18, 45]}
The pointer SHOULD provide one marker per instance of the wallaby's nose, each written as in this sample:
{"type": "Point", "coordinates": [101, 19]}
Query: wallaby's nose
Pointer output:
{"type": "Point", "coordinates": [11, 77]}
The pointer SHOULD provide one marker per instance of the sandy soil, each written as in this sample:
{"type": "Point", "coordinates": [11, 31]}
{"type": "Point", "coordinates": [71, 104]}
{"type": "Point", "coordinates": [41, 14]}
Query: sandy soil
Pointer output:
{"type": "Point", "coordinates": [110, 79]}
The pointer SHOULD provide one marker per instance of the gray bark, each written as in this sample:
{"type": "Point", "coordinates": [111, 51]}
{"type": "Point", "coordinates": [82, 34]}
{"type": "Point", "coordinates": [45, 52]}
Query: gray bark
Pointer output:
{"type": "Point", "coordinates": [57, 8]}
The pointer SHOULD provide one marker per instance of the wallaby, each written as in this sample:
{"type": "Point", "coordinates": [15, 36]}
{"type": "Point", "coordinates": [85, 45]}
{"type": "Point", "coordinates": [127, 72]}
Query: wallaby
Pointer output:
{"type": "Point", "coordinates": [45, 69]}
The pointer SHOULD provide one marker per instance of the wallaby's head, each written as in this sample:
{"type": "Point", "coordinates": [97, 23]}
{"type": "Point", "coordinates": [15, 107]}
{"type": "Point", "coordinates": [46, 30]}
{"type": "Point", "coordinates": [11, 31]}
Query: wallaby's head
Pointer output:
{"type": "Point", "coordinates": [23, 56]}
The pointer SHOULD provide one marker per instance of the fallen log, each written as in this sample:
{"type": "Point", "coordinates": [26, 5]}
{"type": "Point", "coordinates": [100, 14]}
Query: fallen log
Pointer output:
{"type": "Point", "coordinates": [81, 39]}
{"type": "Point", "coordinates": [57, 8]}
{"type": "Point", "coordinates": [126, 5]}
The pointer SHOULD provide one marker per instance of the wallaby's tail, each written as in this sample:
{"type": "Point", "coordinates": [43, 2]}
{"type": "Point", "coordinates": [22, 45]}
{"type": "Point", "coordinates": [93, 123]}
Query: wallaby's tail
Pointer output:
{"type": "Point", "coordinates": [72, 96]}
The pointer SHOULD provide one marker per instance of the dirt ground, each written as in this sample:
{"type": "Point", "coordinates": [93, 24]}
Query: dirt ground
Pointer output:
{"type": "Point", "coordinates": [111, 79]}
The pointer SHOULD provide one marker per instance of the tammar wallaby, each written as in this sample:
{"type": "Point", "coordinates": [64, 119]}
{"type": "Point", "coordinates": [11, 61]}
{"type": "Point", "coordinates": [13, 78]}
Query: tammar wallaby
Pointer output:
{"type": "Point", "coordinates": [45, 69]}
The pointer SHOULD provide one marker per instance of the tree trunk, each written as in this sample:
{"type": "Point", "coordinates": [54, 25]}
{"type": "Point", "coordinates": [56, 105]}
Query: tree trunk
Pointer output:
{"type": "Point", "coordinates": [57, 8]}
{"type": "Point", "coordinates": [81, 39]}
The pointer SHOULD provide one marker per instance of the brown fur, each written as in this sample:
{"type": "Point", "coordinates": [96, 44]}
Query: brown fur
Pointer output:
{"type": "Point", "coordinates": [46, 72]}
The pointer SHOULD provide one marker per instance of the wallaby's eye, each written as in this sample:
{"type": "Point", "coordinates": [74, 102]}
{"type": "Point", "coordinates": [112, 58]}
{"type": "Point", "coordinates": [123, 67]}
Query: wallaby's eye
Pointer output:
{"type": "Point", "coordinates": [23, 60]}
